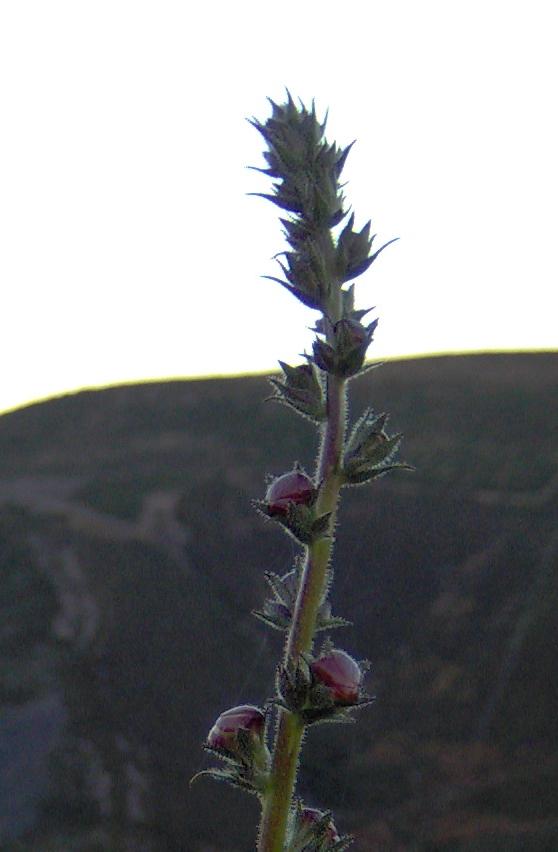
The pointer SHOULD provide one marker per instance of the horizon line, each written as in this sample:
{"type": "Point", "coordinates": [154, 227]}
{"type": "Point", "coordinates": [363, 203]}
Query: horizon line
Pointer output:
{"type": "Point", "coordinates": [199, 377]}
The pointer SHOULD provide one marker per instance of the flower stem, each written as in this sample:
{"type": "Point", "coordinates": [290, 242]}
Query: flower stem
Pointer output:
{"type": "Point", "coordinates": [313, 586]}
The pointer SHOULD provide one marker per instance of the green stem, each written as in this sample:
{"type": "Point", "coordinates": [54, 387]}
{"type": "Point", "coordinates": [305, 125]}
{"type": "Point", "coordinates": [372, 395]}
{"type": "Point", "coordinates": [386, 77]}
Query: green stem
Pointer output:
{"type": "Point", "coordinates": [313, 586]}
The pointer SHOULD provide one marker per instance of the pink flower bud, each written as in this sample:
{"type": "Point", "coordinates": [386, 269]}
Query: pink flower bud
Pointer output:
{"type": "Point", "coordinates": [341, 674]}
{"type": "Point", "coordinates": [312, 816]}
{"type": "Point", "coordinates": [223, 736]}
{"type": "Point", "coordinates": [293, 487]}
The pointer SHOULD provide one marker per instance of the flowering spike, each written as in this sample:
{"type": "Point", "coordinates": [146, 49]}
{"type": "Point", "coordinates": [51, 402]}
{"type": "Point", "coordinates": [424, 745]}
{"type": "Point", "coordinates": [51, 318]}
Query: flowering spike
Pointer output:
{"type": "Point", "coordinates": [307, 169]}
{"type": "Point", "coordinates": [324, 687]}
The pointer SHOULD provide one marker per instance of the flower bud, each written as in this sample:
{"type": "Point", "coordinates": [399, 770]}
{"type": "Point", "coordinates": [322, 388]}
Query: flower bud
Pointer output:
{"type": "Point", "coordinates": [310, 817]}
{"type": "Point", "coordinates": [293, 488]}
{"type": "Point", "coordinates": [300, 389]}
{"type": "Point", "coordinates": [237, 731]}
{"type": "Point", "coordinates": [238, 737]}
{"type": "Point", "coordinates": [370, 451]}
{"type": "Point", "coordinates": [290, 500]}
{"type": "Point", "coordinates": [352, 340]}
{"type": "Point", "coordinates": [345, 352]}
{"type": "Point", "coordinates": [340, 674]}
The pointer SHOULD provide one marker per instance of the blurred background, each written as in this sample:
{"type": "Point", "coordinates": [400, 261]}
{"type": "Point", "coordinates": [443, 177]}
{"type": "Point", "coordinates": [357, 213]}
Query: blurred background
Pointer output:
{"type": "Point", "coordinates": [130, 556]}
{"type": "Point", "coordinates": [131, 559]}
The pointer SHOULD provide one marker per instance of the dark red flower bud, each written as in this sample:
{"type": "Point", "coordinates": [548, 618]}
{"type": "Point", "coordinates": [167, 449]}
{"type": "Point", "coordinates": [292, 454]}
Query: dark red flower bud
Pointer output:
{"type": "Point", "coordinates": [293, 487]}
{"type": "Point", "coordinates": [224, 735]}
{"type": "Point", "coordinates": [312, 816]}
{"type": "Point", "coordinates": [341, 674]}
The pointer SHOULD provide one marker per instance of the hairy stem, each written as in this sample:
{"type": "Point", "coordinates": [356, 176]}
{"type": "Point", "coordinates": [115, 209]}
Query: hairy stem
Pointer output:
{"type": "Point", "coordinates": [313, 586]}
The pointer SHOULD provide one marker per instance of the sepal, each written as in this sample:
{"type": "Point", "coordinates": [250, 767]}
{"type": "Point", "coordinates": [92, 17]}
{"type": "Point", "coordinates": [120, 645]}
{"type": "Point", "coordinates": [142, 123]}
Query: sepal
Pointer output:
{"type": "Point", "coordinates": [293, 685]}
{"type": "Point", "coordinates": [348, 304]}
{"type": "Point", "coordinates": [277, 612]}
{"type": "Point", "coordinates": [274, 614]}
{"type": "Point", "coordinates": [313, 830]}
{"type": "Point", "coordinates": [345, 352]}
{"type": "Point", "coordinates": [348, 310]}
{"type": "Point", "coordinates": [298, 520]}
{"type": "Point", "coordinates": [370, 451]}
{"type": "Point", "coordinates": [352, 249]}
{"type": "Point", "coordinates": [306, 273]}
{"type": "Point", "coordinates": [327, 621]}
{"type": "Point", "coordinates": [301, 390]}
{"type": "Point", "coordinates": [232, 776]}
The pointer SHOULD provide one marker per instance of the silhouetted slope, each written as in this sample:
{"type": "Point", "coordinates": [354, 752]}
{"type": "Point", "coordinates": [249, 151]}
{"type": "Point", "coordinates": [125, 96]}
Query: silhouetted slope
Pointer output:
{"type": "Point", "coordinates": [131, 559]}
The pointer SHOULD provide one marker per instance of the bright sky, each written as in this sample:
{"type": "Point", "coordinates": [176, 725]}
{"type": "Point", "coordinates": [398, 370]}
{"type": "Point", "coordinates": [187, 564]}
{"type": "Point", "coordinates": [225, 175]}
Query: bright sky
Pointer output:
{"type": "Point", "coordinates": [129, 248]}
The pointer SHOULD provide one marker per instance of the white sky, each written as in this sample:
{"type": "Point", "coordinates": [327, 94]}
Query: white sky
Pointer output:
{"type": "Point", "coordinates": [129, 249]}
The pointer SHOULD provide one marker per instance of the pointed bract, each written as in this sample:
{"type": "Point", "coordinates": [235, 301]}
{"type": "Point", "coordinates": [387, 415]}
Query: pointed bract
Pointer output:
{"type": "Point", "coordinates": [301, 390]}
{"type": "Point", "coordinates": [370, 451]}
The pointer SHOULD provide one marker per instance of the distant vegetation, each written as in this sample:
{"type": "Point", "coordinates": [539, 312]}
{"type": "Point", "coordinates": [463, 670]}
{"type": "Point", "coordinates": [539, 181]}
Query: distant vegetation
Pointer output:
{"type": "Point", "coordinates": [121, 598]}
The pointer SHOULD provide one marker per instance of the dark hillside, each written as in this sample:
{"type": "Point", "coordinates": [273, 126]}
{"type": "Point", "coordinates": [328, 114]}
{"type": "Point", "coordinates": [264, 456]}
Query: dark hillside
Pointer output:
{"type": "Point", "coordinates": [130, 559]}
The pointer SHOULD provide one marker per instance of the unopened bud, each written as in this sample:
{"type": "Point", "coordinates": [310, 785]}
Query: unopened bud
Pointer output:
{"type": "Point", "coordinates": [340, 674]}
{"type": "Point", "coordinates": [300, 389]}
{"type": "Point", "coordinates": [290, 499]}
{"type": "Point", "coordinates": [370, 450]}
{"type": "Point", "coordinates": [313, 817]}
{"type": "Point", "coordinates": [293, 488]}
{"type": "Point", "coordinates": [238, 730]}
{"type": "Point", "coordinates": [345, 352]}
